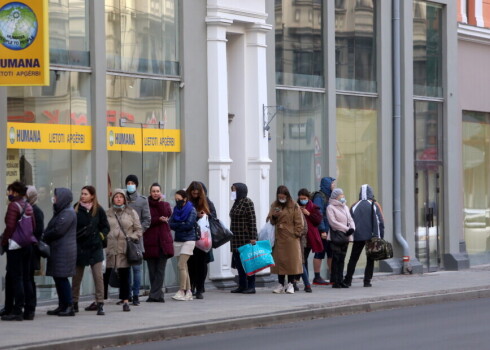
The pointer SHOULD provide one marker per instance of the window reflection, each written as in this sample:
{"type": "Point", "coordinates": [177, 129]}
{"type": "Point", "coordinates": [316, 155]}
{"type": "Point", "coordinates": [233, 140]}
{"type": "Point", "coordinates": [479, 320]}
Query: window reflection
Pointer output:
{"type": "Point", "coordinates": [299, 48]}
{"type": "Point", "coordinates": [142, 36]}
{"type": "Point", "coordinates": [427, 49]}
{"type": "Point", "coordinates": [355, 45]}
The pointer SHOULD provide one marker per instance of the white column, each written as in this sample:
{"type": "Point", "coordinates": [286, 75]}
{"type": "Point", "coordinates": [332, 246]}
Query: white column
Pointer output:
{"type": "Point", "coordinates": [218, 137]}
{"type": "Point", "coordinates": [258, 166]}
{"type": "Point", "coordinates": [479, 13]}
{"type": "Point", "coordinates": [464, 11]}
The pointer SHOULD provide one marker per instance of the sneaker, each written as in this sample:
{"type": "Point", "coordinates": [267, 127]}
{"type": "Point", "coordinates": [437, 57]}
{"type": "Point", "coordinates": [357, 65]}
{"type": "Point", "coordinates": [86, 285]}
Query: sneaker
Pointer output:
{"type": "Point", "coordinates": [347, 282]}
{"type": "Point", "coordinates": [126, 307]}
{"type": "Point", "coordinates": [367, 284]}
{"type": "Point", "coordinates": [188, 295]}
{"type": "Point", "coordinates": [320, 281]}
{"type": "Point", "coordinates": [199, 295]}
{"type": "Point", "coordinates": [290, 288]}
{"type": "Point", "coordinates": [91, 307]}
{"type": "Point", "coordinates": [308, 289]}
{"type": "Point", "coordinates": [279, 289]}
{"type": "Point", "coordinates": [180, 296]}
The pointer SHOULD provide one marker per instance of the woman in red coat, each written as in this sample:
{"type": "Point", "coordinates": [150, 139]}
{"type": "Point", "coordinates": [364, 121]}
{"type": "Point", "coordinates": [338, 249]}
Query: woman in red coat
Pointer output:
{"type": "Point", "coordinates": [158, 243]}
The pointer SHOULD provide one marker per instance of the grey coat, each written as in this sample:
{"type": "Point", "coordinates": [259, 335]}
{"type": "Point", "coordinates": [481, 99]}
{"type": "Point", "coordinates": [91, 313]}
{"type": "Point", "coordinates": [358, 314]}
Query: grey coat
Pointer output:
{"type": "Point", "coordinates": [60, 234]}
{"type": "Point", "coordinates": [140, 204]}
{"type": "Point", "coordinates": [368, 218]}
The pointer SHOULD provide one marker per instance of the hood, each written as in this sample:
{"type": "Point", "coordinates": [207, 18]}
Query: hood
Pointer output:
{"type": "Point", "coordinates": [31, 195]}
{"type": "Point", "coordinates": [121, 191]}
{"type": "Point", "coordinates": [366, 192]}
{"type": "Point", "coordinates": [241, 190]}
{"type": "Point", "coordinates": [204, 188]}
{"type": "Point", "coordinates": [64, 197]}
{"type": "Point", "coordinates": [326, 185]}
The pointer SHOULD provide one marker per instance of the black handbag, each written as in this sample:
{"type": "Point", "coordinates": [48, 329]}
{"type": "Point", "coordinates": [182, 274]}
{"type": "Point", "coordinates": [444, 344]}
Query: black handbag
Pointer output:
{"type": "Point", "coordinates": [114, 281]}
{"type": "Point", "coordinates": [43, 249]}
{"type": "Point", "coordinates": [338, 237]}
{"type": "Point", "coordinates": [134, 253]}
{"type": "Point", "coordinates": [219, 233]}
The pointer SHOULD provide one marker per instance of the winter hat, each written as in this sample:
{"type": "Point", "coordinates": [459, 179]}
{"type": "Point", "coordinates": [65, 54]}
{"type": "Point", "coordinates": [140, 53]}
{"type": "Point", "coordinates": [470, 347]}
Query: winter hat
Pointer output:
{"type": "Point", "coordinates": [336, 193]}
{"type": "Point", "coordinates": [132, 178]}
{"type": "Point", "coordinates": [31, 194]}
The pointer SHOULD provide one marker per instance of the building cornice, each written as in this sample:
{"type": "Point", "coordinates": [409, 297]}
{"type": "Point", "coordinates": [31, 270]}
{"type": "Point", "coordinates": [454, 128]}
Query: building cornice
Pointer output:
{"type": "Point", "coordinates": [474, 34]}
{"type": "Point", "coordinates": [236, 13]}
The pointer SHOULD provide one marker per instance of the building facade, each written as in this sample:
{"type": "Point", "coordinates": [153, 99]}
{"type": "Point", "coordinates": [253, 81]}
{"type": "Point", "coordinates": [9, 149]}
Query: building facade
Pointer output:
{"type": "Point", "coordinates": [265, 92]}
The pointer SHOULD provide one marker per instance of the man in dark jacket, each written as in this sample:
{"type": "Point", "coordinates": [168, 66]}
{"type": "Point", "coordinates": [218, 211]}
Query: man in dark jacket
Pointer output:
{"type": "Point", "coordinates": [140, 204]}
{"type": "Point", "coordinates": [369, 221]}
{"type": "Point", "coordinates": [320, 199]}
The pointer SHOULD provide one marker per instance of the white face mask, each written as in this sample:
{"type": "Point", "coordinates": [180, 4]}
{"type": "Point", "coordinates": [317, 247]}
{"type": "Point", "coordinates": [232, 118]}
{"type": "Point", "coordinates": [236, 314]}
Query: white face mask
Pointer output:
{"type": "Point", "coordinates": [283, 201]}
{"type": "Point", "coordinates": [233, 196]}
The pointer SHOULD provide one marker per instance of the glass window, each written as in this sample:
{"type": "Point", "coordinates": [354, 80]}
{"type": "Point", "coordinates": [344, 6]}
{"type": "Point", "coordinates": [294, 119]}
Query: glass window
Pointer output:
{"type": "Point", "coordinates": [299, 43]}
{"type": "Point", "coordinates": [476, 165]}
{"type": "Point", "coordinates": [141, 36]}
{"type": "Point", "coordinates": [428, 144]}
{"type": "Point", "coordinates": [427, 49]}
{"type": "Point", "coordinates": [300, 136]}
{"type": "Point", "coordinates": [68, 32]}
{"type": "Point", "coordinates": [357, 144]}
{"type": "Point", "coordinates": [355, 45]}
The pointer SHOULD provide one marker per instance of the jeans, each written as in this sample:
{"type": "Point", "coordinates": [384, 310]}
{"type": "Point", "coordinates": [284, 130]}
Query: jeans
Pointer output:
{"type": "Point", "coordinates": [156, 270]}
{"type": "Point", "coordinates": [244, 281]}
{"type": "Point", "coordinates": [304, 276]}
{"type": "Point", "coordinates": [357, 248]}
{"type": "Point", "coordinates": [338, 259]}
{"type": "Point", "coordinates": [19, 280]}
{"type": "Point", "coordinates": [63, 289]}
{"type": "Point", "coordinates": [135, 286]}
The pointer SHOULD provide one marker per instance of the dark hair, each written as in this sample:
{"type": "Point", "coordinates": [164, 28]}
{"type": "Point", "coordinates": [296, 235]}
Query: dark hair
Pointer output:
{"type": "Point", "coordinates": [304, 192]}
{"type": "Point", "coordinates": [18, 187]}
{"type": "Point", "coordinates": [155, 184]}
{"type": "Point", "coordinates": [182, 193]}
{"type": "Point", "coordinates": [91, 190]}
{"type": "Point", "coordinates": [284, 190]}
{"type": "Point", "coordinates": [201, 202]}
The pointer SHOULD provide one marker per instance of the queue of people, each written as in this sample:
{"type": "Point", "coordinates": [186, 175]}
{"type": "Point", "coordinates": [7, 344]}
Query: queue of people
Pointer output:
{"type": "Point", "coordinates": [85, 234]}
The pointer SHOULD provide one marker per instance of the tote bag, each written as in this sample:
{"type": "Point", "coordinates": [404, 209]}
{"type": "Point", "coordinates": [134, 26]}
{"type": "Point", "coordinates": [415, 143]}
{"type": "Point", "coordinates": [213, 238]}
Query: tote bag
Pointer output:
{"type": "Point", "coordinates": [256, 257]}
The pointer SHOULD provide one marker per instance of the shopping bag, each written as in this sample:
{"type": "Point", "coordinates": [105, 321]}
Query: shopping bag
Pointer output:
{"type": "Point", "coordinates": [379, 249]}
{"type": "Point", "coordinates": [267, 233]}
{"type": "Point", "coordinates": [256, 257]}
{"type": "Point", "coordinates": [219, 232]}
{"type": "Point", "coordinates": [204, 242]}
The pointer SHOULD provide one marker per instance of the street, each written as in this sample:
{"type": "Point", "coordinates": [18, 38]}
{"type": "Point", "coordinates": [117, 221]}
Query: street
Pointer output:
{"type": "Point", "coordinates": [455, 325]}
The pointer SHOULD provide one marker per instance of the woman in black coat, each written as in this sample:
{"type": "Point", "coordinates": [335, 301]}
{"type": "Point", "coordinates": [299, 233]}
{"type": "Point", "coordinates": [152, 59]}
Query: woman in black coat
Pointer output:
{"type": "Point", "coordinates": [92, 231]}
{"type": "Point", "coordinates": [61, 237]}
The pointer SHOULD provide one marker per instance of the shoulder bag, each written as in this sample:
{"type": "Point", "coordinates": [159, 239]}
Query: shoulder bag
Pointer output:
{"type": "Point", "coordinates": [24, 232]}
{"type": "Point", "coordinates": [134, 253]}
{"type": "Point", "coordinates": [377, 248]}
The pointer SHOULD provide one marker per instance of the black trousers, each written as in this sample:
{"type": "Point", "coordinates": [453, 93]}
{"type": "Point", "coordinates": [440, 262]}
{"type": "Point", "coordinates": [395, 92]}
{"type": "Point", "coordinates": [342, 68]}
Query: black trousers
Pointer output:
{"type": "Point", "coordinates": [354, 258]}
{"type": "Point", "coordinates": [19, 292]}
{"type": "Point", "coordinates": [124, 292]}
{"type": "Point", "coordinates": [198, 269]}
{"type": "Point", "coordinates": [338, 259]}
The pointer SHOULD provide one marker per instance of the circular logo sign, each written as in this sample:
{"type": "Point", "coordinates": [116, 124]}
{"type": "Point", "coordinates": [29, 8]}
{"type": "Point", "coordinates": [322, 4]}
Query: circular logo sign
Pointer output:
{"type": "Point", "coordinates": [12, 135]}
{"type": "Point", "coordinates": [111, 138]}
{"type": "Point", "coordinates": [18, 26]}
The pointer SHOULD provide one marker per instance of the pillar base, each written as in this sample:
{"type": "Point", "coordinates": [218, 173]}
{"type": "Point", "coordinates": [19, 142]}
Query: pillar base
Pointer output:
{"type": "Point", "coordinates": [395, 266]}
{"type": "Point", "coordinates": [456, 262]}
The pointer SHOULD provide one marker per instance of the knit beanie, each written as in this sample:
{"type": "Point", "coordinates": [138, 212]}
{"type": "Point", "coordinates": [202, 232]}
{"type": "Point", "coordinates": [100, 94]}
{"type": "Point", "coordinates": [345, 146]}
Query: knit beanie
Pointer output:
{"type": "Point", "coordinates": [132, 178]}
{"type": "Point", "coordinates": [31, 194]}
{"type": "Point", "coordinates": [336, 193]}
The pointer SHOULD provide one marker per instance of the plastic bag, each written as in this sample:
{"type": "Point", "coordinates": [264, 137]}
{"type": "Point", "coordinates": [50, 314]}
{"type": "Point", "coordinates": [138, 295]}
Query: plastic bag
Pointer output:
{"type": "Point", "coordinates": [256, 257]}
{"type": "Point", "coordinates": [219, 232]}
{"type": "Point", "coordinates": [267, 233]}
{"type": "Point", "coordinates": [204, 242]}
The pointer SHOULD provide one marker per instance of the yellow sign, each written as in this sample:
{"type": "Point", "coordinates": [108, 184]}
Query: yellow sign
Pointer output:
{"type": "Point", "coordinates": [49, 136]}
{"type": "Point", "coordinates": [24, 43]}
{"type": "Point", "coordinates": [143, 140]}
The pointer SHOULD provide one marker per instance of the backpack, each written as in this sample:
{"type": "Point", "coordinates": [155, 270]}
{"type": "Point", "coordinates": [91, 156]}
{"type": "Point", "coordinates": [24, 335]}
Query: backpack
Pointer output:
{"type": "Point", "coordinates": [321, 194]}
{"type": "Point", "coordinates": [24, 231]}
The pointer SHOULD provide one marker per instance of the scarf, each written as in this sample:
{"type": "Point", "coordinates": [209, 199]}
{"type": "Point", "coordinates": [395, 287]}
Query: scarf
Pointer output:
{"type": "Point", "coordinates": [181, 214]}
{"type": "Point", "coordinates": [87, 206]}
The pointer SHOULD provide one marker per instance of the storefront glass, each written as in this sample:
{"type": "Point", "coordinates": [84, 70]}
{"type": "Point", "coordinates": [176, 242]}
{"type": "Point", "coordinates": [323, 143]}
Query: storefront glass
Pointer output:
{"type": "Point", "coordinates": [476, 164]}
{"type": "Point", "coordinates": [69, 32]}
{"type": "Point", "coordinates": [299, 43]}
{"type": "Point", "coordinates": [141, 36]}
{"type": "Point", "coordinates": [355, 45]}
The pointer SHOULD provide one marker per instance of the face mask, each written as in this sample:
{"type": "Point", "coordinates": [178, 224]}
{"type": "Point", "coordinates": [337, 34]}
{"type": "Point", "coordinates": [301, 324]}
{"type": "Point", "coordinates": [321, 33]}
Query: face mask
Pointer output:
{"type": "Point", "coordinates": [233, 196]}
{"type": "Point", "coordinates": [283, 201]}
{"type": "Point", "coordinates": [131, 188]}
{"type": "Point", "coordinates": [342, 200]}
{"type": "Point", "coordinates": [118, 206]}
{"type": "Point", "coordinates": [180, 203]}
{"type": "Point", "coordinates": [53, 200]}
{"type": "Point", "coordinates": [303, 201]}
{"type": "Point", "coordinates": [11, 197]}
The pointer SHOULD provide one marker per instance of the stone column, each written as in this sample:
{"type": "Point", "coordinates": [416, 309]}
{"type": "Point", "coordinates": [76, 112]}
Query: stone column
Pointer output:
{"type": "Point", "coordinates": [218, 139]}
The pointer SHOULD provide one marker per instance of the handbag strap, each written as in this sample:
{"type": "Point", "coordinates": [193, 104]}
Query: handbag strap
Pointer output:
{"type": "Point", "coordinates": [372, 219]}
{"type": "Point", "coordinates": [120, 226]}
{"type": "Point", "coordinates": [22, 209]}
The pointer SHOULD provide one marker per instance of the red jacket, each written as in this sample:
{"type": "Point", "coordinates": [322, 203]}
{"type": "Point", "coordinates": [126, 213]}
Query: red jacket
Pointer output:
{"type": "Point", "coordinates": [13, 215]}
{"type": "Point", "coordinates": [313, 238]}
{"type": "Point", "coordinates": [157, 238]}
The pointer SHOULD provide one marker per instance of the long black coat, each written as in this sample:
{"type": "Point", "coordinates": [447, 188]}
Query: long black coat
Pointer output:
{"type": "Point", "coordinates": [61, 236]}
{"type": "Point", "coordinates": [89, 249]}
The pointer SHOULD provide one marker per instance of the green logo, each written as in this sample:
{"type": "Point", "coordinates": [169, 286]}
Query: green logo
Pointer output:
{"type": "Point", "coordinates": [12, 135]}
{"type": "Point", "coordinates": [111, 138]}
{"type": "Point", "coordinates": [18, 26]}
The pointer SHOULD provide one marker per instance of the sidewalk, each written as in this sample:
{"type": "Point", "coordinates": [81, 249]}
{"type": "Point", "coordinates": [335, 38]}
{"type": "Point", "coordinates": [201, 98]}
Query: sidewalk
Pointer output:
{"type": "Point", "coordinates": [220, 310]}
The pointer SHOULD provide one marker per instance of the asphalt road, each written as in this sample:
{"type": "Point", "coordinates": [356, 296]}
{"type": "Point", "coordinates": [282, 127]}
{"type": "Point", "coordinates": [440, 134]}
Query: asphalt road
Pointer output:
{"type": "Point", "coordinates": [458, 325]}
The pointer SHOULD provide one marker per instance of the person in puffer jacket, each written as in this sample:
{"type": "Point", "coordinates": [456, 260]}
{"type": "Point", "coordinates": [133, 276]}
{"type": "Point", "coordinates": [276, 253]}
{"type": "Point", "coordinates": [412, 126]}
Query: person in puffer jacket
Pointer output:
{"type": "Point", "coordinates": [368, 217]}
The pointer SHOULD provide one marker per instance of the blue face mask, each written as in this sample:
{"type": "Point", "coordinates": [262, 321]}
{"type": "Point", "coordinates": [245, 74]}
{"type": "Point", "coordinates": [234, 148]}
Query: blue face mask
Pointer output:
{"type": "Point", "coordinates": [131, 188]}
{"type": "Point", "coordinates": [303, 201]}
{"type": "Point", "coordinates": [118, 206]}
{"type": "Point", "coordinates": [342, 200]}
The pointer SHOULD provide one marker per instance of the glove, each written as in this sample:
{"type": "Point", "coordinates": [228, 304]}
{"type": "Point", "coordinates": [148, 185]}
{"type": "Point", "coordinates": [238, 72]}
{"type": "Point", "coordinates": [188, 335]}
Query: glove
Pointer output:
{"type": "Point", "coordinates": [349, 232]}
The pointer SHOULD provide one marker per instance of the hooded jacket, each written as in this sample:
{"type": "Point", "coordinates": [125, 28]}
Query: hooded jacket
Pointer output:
{"type": "Point", "coordinates": [60, 234]}
{"type": "Point", "coordinates": [367, 215]}
{"type": "Point", "coordinates": [321, 200]}
{"type": "Point", "coordinates": [243, 222]}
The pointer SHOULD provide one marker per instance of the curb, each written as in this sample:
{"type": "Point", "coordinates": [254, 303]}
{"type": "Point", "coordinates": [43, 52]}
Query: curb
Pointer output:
{"type": "Point", "coordinates": [313, 311]}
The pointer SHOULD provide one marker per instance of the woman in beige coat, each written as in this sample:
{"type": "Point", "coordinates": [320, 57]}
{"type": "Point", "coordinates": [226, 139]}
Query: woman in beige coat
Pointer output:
{"type": "Point", "coordinates": [120, 214]}
{"type": "Point", "coordinates": [287, 219]}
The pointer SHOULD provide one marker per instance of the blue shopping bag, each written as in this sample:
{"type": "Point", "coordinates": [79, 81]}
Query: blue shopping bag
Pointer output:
{"type": "Point", "coordinates": [256, 257]}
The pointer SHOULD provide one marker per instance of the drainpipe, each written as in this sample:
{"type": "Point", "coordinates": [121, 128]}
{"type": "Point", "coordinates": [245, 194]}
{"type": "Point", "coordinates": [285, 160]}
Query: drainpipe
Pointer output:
{"type": "Point", "coordinates": [397, 221]}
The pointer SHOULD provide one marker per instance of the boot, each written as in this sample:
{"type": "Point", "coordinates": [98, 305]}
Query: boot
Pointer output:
{"type": "Point", "coordinates": [67, 311]}
{"type": "Point", "coordinates": [136, 300]}
{"type": "Point", "coordinates": [75, 306]}
{"type": "Point", "coordinates": [54, 312]}
{"type": "Point", "coordinates": [12, 317]}
{"type": "Point", "coordinates": [100, 309]}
